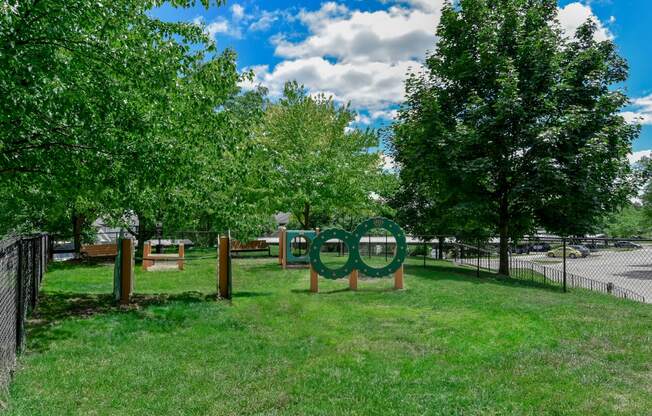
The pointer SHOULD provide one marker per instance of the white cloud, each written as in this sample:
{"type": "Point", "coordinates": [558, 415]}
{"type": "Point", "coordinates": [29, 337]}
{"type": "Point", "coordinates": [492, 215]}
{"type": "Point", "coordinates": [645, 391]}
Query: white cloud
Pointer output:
{"type": "Point", "coordinates": [388, 162]}
{"type": "Point", "coordinates": [392, 35]}
{"type": "Point", "coordinates": [384, 115]}
{"type": "Point", "coordinates": [575, 14]}
{"type": "Point", "coordinates": [362, 119]}
{"type": "Point", "coordinates": [218, 26]}
{"type": "Point", "coordinates": [237, 11]}
{"type": "Point", "coordinates": [641, 111]}
{"type": "Point", "coordinates": [637, 156]}
{"type": "Point", "coordinates": [637, 118]}
{"type": "Point", "coordinates": [265, 20]}
{"type": "Point", "coordinates": [373, 85]}
{"type": "Point", "coordinates": [355, 56]}
{"type": "Point", "coordinates": [363, 57]}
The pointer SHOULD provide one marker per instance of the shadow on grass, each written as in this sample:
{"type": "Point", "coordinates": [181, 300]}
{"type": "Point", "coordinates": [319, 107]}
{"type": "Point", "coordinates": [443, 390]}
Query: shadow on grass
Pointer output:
{"type": "Point", "coordinates": [55, 307]}
{"type": "Point", "coordinates": [321, 291]}
{"type": "Point", "coordinates": [251, 294]}
{"type": "Point", "coordinates": [442, 271]}
{"type": "Point", "coordinates": [458, 273]}
{"type": "Point", "coordinates": [75, 264]}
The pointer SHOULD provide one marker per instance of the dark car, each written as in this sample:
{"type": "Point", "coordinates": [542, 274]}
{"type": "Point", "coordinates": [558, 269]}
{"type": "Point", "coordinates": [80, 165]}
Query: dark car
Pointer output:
{"type": "Point", "coordinates": [520, 250]}
{"type": "Point", "coordinates": [582, 249]}
{"type": "Point", "coordinates": [540, 247]}
{"type": "Point", "coordinates": [627, 244]}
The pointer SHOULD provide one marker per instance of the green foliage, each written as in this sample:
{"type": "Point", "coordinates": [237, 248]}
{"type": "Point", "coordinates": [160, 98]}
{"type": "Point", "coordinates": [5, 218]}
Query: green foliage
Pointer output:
{"type": "Point", "coordinates": [316, 168]}
{"type": "Point", "coordinates": [512, 126]}
{"type": "Point", "coordinates": [630, 221]}
{"type": "Point", "coordinates": [107, 111]}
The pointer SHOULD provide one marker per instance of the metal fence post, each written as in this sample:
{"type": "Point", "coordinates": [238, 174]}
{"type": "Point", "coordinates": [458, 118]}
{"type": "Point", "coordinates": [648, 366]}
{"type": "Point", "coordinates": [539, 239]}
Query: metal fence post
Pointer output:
{"type": "Point", "coordinates": [564, 262]}
{"type": "Point", "coordinates": [34, 275]}
{"type": "Point", "coordinates": [477, 271]}
{"type": "Point", "coordinates": [424, 253]}
{"type": "Point", "coordinates": [385, 245]}
{"type": "Point", "coordinates": [20, 302]}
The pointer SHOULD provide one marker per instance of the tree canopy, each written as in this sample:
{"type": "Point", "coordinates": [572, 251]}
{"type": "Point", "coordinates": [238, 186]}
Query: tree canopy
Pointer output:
{"type": "Point", "coordinates": [512, 126]}
{"type": "Point", "coordinates": [316, 166]}
{"type": "Point", "coordinates": [106, 110]}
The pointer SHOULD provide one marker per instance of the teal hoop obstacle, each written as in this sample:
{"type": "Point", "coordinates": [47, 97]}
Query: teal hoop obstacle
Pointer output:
{"type": "Point", "coordinates": [291, 235]}
{"type": "Point", "coordinates": [352, 240]}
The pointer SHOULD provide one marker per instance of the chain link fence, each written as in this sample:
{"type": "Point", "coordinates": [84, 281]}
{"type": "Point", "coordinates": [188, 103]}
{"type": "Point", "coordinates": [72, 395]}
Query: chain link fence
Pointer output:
{"type": "Point", "coordinates": [23, 261]}
{"type": "Point", "coordinates": [622, 268]}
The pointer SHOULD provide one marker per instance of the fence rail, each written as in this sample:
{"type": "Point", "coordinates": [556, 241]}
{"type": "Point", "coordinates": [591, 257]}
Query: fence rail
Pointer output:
{"type": "Point", "coordinates": [23, 262]}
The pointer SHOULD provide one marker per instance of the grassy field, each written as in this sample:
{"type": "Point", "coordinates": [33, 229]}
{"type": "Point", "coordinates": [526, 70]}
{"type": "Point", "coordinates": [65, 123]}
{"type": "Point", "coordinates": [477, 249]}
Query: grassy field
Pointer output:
{"type": "Point", "coordinates": [449, 344]}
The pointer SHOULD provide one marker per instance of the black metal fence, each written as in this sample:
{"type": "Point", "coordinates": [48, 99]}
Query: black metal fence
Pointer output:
{"type": "Point", "coordinates": [63, 247]}
{"type": "Point", "coordinates": [621, 268]}
{"type": "Point", "coordinates": [23, 261]}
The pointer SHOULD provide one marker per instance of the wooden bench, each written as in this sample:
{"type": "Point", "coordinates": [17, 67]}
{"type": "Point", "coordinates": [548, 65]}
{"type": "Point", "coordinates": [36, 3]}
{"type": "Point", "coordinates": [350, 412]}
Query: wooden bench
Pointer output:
{"type": "Point", "coordinates": [99, 251]}
{"type": "Point", "coordinates": [251, 246]}
{"type": "Point", "coordinates": [149, 259]}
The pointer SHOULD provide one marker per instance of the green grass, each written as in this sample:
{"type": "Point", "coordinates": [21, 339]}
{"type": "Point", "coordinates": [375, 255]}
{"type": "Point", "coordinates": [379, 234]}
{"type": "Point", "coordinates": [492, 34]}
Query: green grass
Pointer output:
{"type": "Point", "coordinates": [449, 344]}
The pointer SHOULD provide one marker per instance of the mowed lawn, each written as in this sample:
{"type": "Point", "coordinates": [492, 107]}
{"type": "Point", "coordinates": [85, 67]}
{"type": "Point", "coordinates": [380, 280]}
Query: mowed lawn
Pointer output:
{"type": "Point", "coordinates": [449, 344]}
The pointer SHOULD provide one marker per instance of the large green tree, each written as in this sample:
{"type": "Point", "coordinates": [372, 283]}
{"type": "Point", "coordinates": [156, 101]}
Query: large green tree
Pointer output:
{"type": "Point", "coordinates": [106, 110]}
{"type": "Point", "coordinates": [315, 164]}
{"type": "Point", "coordinates": [516, 124]}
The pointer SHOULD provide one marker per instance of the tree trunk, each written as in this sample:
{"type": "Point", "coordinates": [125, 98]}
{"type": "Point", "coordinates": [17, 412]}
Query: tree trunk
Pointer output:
{"type": "Point", "coordinates": [78, 221]}
{"type": "Point", "coordinates": [503, 230]}
{"type": "Point", "coordinates": [440, 248]}
{"type": "Point", "coordinates": [142, 235]}
{"type": "Point", "coordinates": [306, 216]}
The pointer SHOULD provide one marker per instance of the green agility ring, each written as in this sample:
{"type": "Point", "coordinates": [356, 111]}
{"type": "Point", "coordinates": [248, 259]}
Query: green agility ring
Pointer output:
{"type": "Point", "coordinates": [352, 240]}
{"type": "Point", "coordinates": [401, 246]}
{"type": "Point", "coordinates": [290, 235]}
{"type": "Point", "coordinates": [315, 249]}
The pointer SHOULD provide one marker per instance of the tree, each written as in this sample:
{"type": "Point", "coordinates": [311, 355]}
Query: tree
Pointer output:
{"type": "Point", "coordinates": [106, 110]}
{"type": "Point", "coordinates": [515, 125]}
{"type": "Point", "coordinates": [315, 164]}
{"type": "Point", "coordinates": [628, 222]}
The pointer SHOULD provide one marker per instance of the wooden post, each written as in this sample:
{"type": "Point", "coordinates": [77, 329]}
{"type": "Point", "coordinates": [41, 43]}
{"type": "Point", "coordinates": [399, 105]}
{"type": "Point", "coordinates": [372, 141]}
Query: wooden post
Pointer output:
{"type": "Point", "coordinates": [147, 251]}
{"type": "Point", "coordinates": [314, 280]}
{"type": "Point", "coordinates": [223, 269]}
{"type": "Point", "coordinates": [219, 264]}
{"type": "Point", "coordinates": [398, 278]}
{"type": "Point", "coordinates": [127, 271]}
{"type": "Point", "coordinates": [281, 247]}
{"type": "Point", "coordinates": [182, 255]}
{"type": "Point", "coordinates": [353, 280]}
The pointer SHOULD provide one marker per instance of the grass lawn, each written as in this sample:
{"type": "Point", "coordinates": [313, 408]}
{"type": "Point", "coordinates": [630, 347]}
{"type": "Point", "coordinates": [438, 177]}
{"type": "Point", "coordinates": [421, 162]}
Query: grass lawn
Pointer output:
{"type": "Point", "coordinates": [449, 344]}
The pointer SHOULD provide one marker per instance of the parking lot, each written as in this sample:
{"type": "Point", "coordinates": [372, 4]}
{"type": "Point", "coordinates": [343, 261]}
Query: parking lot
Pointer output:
{"type": "Point", "coordinates": [629, 269]}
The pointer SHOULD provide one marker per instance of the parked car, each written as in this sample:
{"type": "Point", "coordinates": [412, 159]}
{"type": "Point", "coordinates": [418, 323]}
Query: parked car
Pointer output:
{"type": "Point", "coordinates": [627, 244]}
{"type": "Point", "coordinates": [571, 252]}
{"type": "Point", "coordinates": [540, 247]}
{"type": "Point", "coordinates": [520, 249]}
{"type": "Point", "coordinates": [582, 249]}
{"type": "Point", "coordinates": [592, 246]}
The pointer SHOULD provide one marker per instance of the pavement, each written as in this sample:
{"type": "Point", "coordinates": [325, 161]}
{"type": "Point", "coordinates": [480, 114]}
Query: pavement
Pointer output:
{"type": "Point", "coordinates": [630, 269]}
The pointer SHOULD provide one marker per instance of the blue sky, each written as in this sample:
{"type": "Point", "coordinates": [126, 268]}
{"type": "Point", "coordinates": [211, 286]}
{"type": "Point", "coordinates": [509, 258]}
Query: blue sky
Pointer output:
{"type": "Point", "coordinates": [358, 51]}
